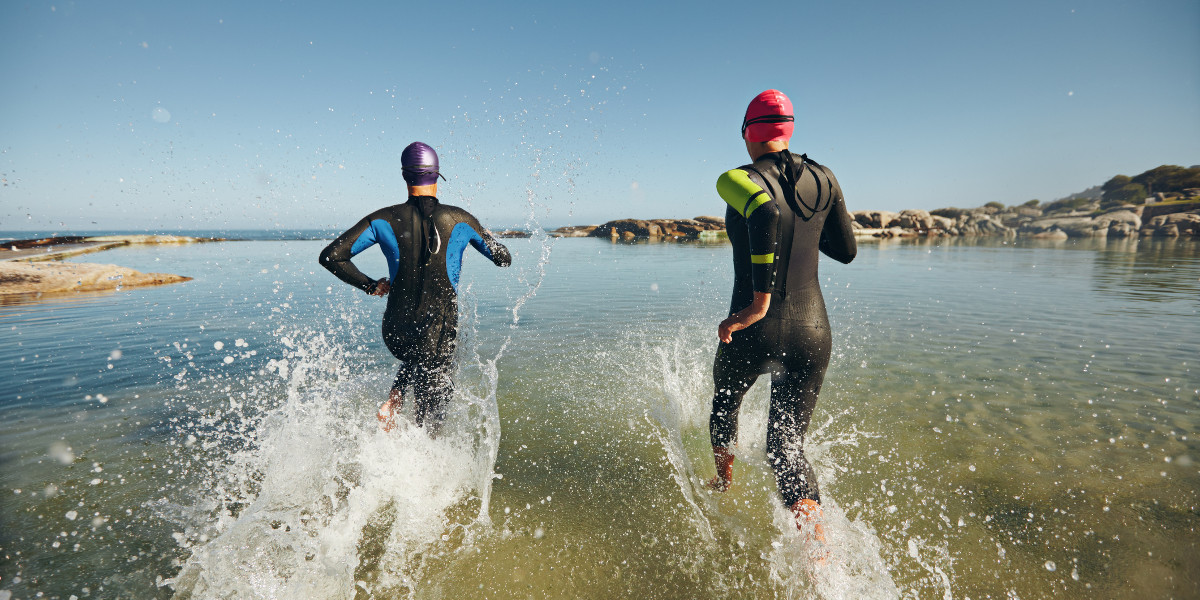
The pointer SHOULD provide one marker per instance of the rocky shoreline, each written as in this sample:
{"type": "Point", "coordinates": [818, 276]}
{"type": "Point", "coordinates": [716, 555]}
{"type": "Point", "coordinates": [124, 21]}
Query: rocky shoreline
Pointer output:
{"type": "Point", "coordinates": [1084, 220]}
{"type": "Point", "coordinates": [1176, 219]}
{"type": "Point", "coordinates": [35, 267]}
{"type": "Point", "coordinates": [629, 229]}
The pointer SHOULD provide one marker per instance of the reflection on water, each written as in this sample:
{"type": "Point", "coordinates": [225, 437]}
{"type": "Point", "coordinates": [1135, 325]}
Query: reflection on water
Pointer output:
{"type": "Point", "coordinates": [1153, 270]}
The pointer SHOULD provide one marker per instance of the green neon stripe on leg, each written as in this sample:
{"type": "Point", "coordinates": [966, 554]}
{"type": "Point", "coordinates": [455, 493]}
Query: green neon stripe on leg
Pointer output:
{"type": "Point", "coordinates": [762, 259]}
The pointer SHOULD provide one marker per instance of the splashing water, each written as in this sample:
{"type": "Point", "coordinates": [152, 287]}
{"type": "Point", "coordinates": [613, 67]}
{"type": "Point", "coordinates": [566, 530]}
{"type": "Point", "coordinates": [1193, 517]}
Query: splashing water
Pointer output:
{"type": "Point", "coordinates": [318, 502]}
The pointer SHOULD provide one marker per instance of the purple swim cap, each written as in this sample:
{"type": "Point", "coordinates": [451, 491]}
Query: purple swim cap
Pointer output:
{"type": "Point", "coordinates": [420, 164]}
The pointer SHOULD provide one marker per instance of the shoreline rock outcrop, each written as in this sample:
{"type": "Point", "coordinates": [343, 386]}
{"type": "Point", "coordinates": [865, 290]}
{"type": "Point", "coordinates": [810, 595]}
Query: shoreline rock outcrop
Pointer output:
{"type": "Point", "coordinates": [1179, 219]}
{"type": "Point", "coordinates": [57, 277]}
{"type": "Point", "coordinates": [35, 267]}
{"type": "Point", "coordinates": [1083, 220]}
{"type": "Point", "coordinates": [703, 227]}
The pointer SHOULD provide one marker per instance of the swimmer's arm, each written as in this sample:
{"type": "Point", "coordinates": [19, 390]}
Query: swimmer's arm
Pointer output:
{"type": "Point", "coordinates": [336, 257]}
{"type": "Point", "coordinates": [747, 196]}
{"type": "Point", "coordinates": [490, 247]}
{"type": "Point", "coordinates": [745, 317]}
{"type": "Point", "coordinates": [837, 236]}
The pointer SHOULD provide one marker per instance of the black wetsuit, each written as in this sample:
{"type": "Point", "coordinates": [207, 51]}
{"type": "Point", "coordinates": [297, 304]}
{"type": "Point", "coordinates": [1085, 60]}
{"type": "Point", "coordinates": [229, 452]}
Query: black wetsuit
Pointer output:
{"type": "Point", "coordinates": [782, 209]}
{"type": "Point", "coordinates": [423, 242]}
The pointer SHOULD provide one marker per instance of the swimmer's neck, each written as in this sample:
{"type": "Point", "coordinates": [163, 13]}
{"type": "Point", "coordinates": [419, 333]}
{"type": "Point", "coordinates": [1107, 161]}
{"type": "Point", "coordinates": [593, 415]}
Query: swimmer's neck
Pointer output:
{"type": "Point", "coordinates": [757, 149]}
{"type": "Point", "coordinates": [422, 190]}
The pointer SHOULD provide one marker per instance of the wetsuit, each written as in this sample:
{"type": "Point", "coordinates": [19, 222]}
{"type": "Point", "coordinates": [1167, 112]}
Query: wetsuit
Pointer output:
{"type": "Point", "coordinates": [782, 209]}
{"type": "Point", "coordinates": [424, 243]}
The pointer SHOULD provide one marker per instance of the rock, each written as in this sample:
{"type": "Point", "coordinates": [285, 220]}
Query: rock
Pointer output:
{"type": "Point", "coordinates": [919, 220]}
{"type": "Point", "coordinates": [574, 231]}
{"type": "Point", "coordinates": [511, 233]}
{"type": "Point", "coordinates": [875, 219]}
{"type": "Point", "coordinates": [51, 277]}
{"type": "Point", "coordinates": [1072, 226]}
{"type": "Point", "coordinates": [943, 223]}
{"type": "Point", "coordinates": [1118, 230]}
{"type": "Point", "coordinates": [896, 232]}
{"type": "Point", "coordinates": [950, 213]}
{"type": "Point", "coordinates": [1052, 234]}
{"type": "Point", "coordinates": [1128, 217]}
{"type": "Point", "coordinates": [671, 228]}
{"type": "Point", "coordinates": [1172, 225]}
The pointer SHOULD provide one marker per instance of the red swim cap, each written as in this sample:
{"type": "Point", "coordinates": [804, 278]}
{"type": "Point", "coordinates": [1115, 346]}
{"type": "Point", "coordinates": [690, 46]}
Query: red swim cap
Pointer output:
{"type": "Point", "coordinates": [768, 118]}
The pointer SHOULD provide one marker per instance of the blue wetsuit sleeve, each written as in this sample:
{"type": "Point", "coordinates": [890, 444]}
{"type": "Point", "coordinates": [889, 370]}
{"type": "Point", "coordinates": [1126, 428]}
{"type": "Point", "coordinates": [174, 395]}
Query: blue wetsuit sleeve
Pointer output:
{"type": "Point", "coordinates": [336, 256]}
{"type": "Point", "coordinates": [469, 232]}
{"type": "Point", "coordinates": [490, 247]}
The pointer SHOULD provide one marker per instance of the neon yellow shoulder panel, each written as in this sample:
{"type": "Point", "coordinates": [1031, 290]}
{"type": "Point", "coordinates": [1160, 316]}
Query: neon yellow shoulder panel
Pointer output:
{"type": "Point", "coordinates": [737, 190]}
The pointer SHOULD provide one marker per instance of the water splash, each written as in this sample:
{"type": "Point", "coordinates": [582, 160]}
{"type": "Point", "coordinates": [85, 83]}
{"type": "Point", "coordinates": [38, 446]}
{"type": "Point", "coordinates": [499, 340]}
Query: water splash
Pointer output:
{"type": "Point", "coordinates": [848, 565]}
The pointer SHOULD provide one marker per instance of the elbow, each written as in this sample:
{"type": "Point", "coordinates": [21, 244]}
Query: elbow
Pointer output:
{"type": "Point", "coordinates": [327, 259]}
{"type": "Point", "coordinates": [850, 255]}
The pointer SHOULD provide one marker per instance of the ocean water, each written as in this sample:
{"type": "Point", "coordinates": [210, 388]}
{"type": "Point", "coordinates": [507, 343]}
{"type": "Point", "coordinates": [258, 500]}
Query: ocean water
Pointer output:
{"type": "Point", "coordinates": [999, 420]}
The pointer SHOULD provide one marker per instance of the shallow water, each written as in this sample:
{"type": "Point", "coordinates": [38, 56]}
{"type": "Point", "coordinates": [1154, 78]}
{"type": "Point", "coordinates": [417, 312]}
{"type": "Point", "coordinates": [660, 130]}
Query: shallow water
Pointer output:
{"type": "Point", "coordinates": [999, 420]}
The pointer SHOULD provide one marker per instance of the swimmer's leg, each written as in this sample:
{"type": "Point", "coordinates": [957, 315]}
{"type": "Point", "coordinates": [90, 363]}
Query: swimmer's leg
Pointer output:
{"type": "Point", "coordinates": [731, 377]}
{"type": "Point", "coordinates": [793, 399]}
{"type": "Point", "coordinates": [433, 392]}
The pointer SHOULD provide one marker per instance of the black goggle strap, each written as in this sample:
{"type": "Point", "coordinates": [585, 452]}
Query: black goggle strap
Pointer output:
{"type": "Point", "coordinates": [420, 169]}
{"type": "Point", "coordinates": [766, 119]}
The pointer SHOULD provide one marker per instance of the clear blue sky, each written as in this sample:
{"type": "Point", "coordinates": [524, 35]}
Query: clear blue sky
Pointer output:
{"type": "Point", "coordinates": [165, 115]}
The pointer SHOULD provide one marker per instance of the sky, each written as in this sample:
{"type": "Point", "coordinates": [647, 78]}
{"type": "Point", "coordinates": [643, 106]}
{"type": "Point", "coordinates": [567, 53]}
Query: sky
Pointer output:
{"type": "Point", "coordinates": [162, 116]}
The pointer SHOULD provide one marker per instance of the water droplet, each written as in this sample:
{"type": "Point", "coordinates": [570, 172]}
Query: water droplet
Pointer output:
{"type": "Point", "coordinates": [1050, 566]}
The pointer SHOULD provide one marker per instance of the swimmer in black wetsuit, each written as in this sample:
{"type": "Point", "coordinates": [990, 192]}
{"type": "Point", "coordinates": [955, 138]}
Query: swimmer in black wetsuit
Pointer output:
{"type": "Point", "coordinates": [782, 209]}
{"type": "Point", "coordinates": [424, 243]}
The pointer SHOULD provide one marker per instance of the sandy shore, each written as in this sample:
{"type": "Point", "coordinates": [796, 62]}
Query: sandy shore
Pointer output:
{"type": "Point", "coordinates": [34, 267]}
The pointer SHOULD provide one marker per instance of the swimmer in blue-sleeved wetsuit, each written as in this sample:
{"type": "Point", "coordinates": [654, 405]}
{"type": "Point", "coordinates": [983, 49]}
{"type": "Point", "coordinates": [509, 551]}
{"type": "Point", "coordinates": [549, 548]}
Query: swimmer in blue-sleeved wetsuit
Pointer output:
{"type": "Point", "coordinates": [782, 210]}
{"type": "Point", "coordinates": [423, 241]}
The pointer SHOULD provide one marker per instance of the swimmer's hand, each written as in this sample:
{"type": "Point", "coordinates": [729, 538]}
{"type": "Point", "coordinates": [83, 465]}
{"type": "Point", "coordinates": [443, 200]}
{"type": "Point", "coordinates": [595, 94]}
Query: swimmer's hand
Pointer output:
{"type": "Point", "coordinates": [388, 411]}
{"type": "Point", "coordinates": [382, 287]}
{"type": "Point", "coordinates": [745, 317]}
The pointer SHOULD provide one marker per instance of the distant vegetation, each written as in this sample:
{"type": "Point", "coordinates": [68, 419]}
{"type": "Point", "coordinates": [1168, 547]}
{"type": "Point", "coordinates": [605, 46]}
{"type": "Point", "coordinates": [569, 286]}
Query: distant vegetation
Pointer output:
{"type": "Point", "coordinates": [1169, 180]}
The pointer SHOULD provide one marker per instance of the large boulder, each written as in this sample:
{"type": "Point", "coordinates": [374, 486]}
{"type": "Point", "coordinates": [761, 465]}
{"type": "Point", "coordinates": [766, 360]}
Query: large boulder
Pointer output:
{"type": "Point", "coordinates": [1051, 234]}
{"type": "Point", "coordinates": [980, 224]}
{"type": "Point", "coordinates": [574, 231]}
{"type": "Point", "coordinates": [875, 219]}
{"type": "Point", "coordinates": [1173, 225]}
{"type": "Point", "coordinates": [1077, 227]}
{"type": "Point", "coordinates": [943, 223]}
{"type": "Point", "coordinates": [671, 228]}
{"type": "Point", "coordinates": [918, 220]}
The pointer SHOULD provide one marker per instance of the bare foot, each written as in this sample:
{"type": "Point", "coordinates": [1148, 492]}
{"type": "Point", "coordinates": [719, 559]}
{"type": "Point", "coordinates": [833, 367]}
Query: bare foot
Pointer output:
{"type": "Point", "coordinates": [718, 484]}
{"type": "Point", "coordinates": [724, 459]}
{"type": "Point", "coordinates": [808, 516]}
